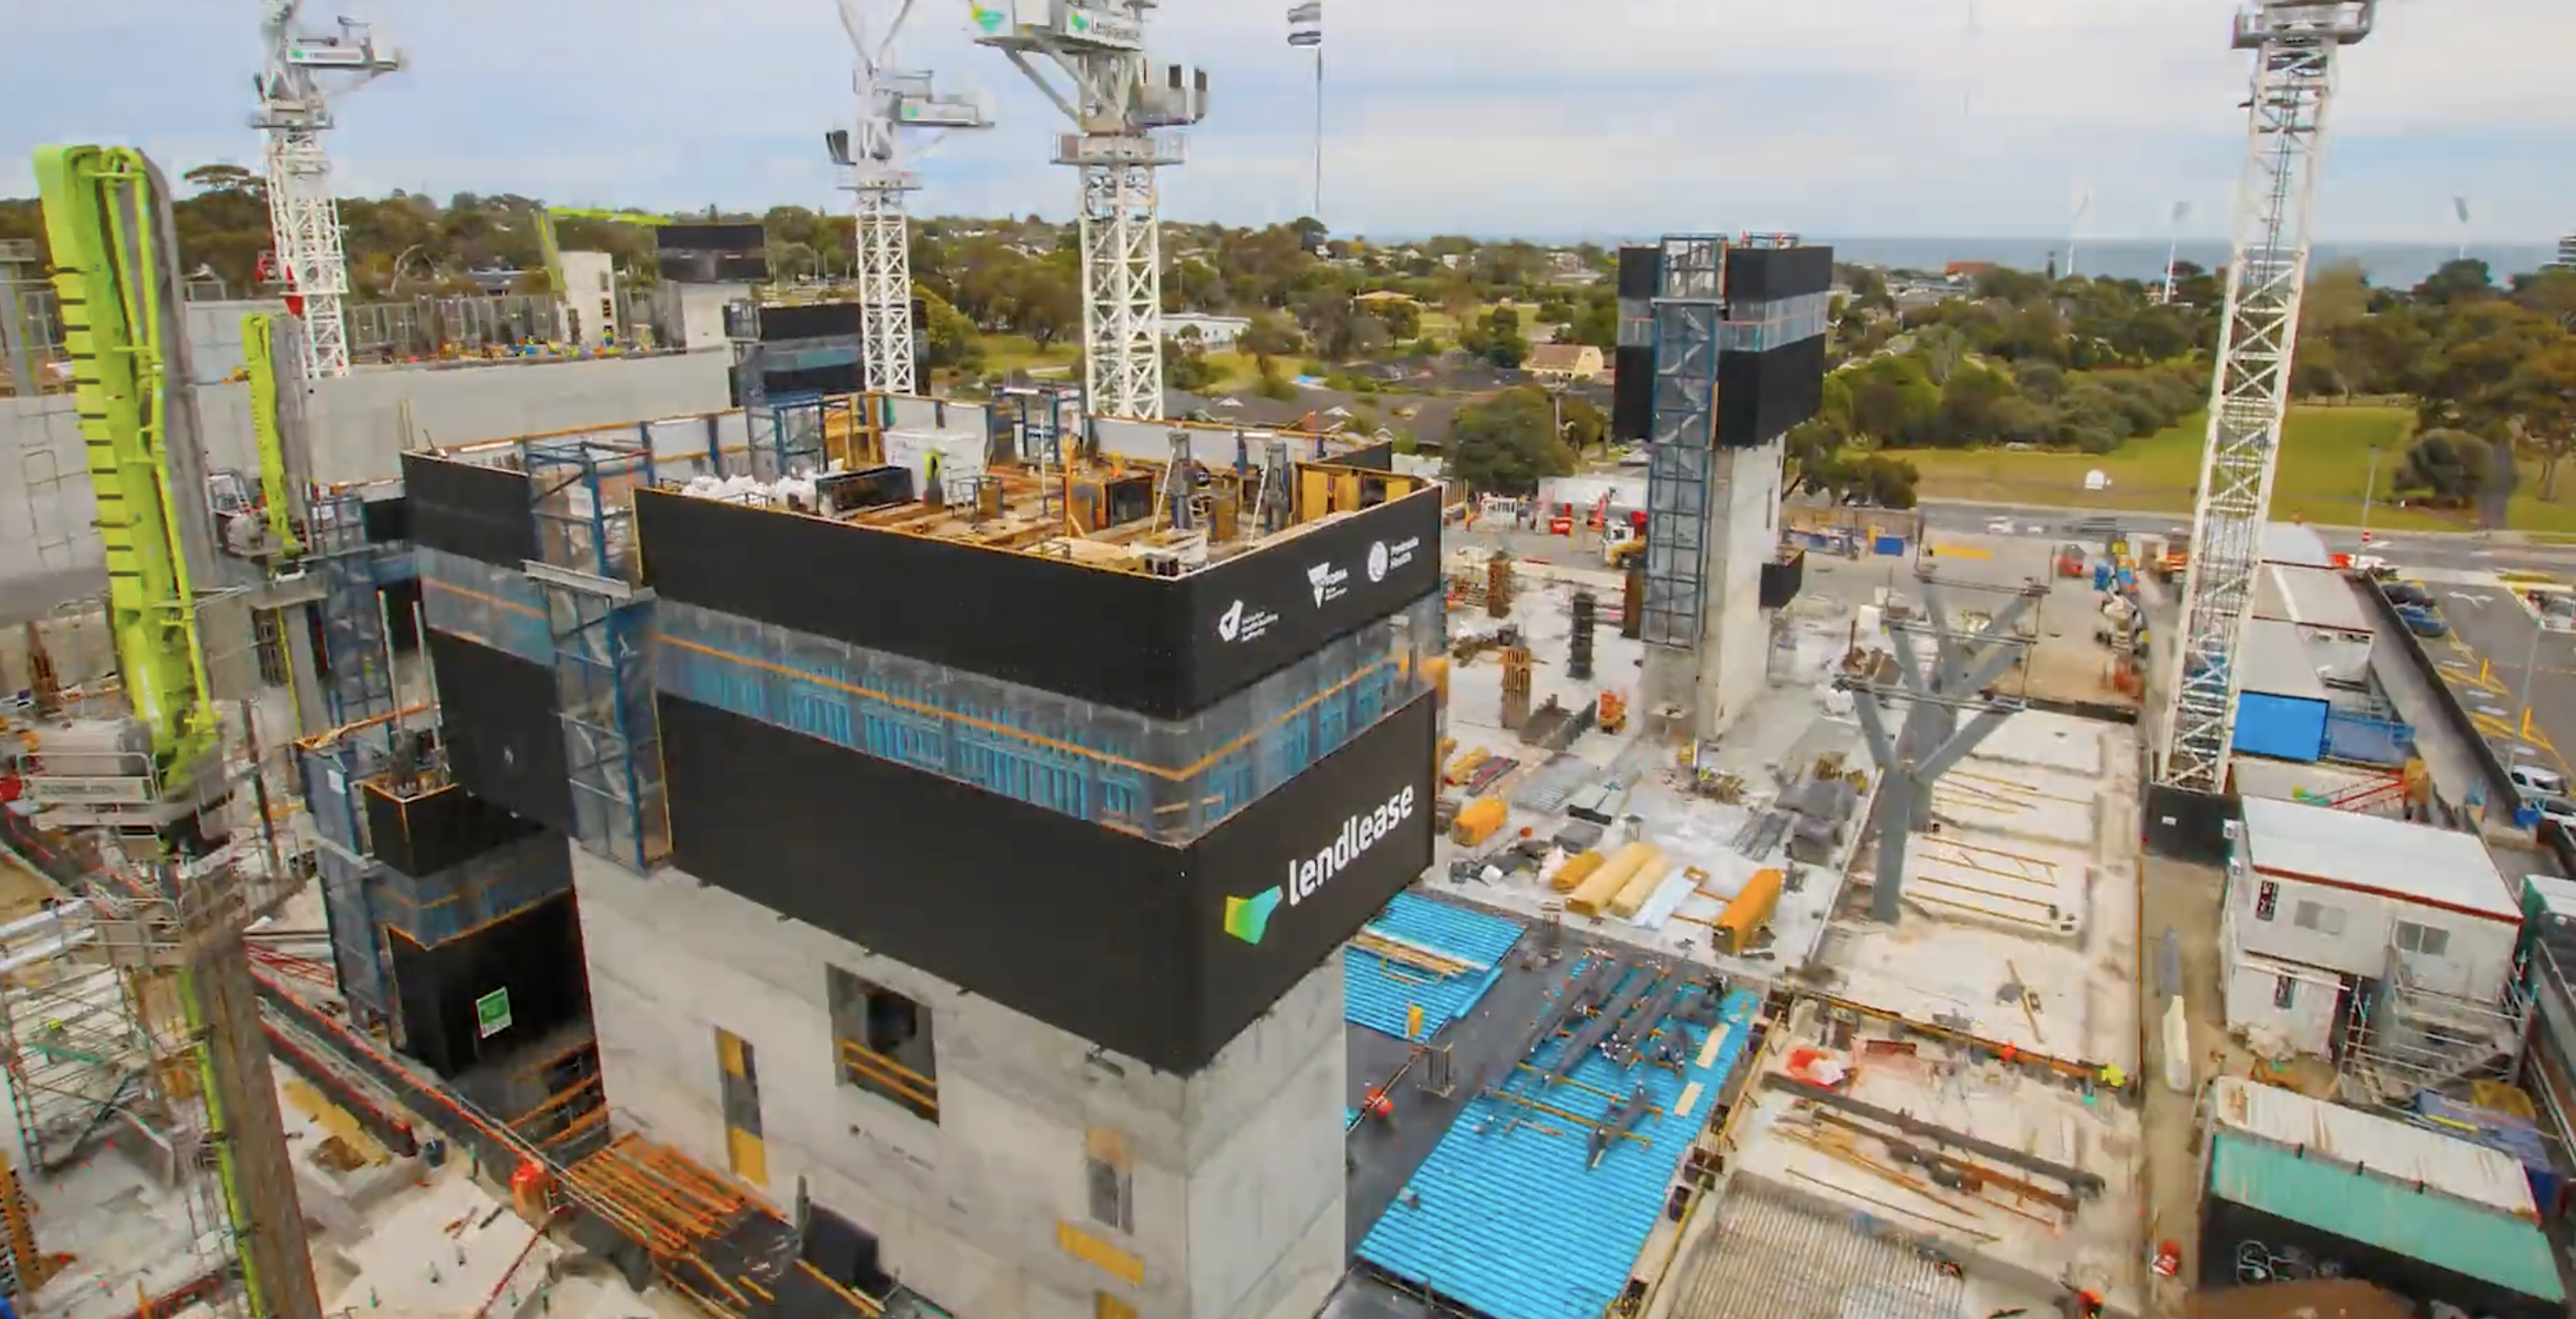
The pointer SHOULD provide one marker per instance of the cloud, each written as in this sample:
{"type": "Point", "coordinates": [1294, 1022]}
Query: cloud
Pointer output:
{"type": "Point", "coordinates": [1840, 116]}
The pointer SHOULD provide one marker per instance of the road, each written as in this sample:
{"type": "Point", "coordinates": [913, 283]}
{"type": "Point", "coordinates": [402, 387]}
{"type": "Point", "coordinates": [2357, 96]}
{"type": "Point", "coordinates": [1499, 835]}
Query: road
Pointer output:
{"type": "Point", "coordinates": [2456, 551]}
{"type": "Point", "coordinates": [2492, 639]}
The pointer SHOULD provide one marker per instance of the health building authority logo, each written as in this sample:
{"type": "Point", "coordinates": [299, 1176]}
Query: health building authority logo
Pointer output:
{"type": "Point", "coordinates": [1248, 919]}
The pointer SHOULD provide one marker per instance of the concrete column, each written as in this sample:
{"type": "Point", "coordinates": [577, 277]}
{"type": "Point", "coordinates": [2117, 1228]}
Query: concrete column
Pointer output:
{"type": "Point", "coordinates": [1728, 670]}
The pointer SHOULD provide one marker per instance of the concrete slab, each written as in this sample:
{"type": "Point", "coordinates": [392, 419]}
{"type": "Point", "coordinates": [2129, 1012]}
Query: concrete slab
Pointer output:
{"type": "Point", "coordinates": [2006, 1234]}
{"type": "Point", "coordinates": [444, 1251]}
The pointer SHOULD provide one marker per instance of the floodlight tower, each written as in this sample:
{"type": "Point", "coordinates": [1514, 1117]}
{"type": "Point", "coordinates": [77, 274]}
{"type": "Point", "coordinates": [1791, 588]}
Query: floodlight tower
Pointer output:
{"type": "Point", "coordinates": [1117, 101]}
{"type": "Point", "coordinates": [303, 217]}
{"type": "Point", "coordinates": [889, 99]}
{"type": "Point", "coordinates": [2295, 45]}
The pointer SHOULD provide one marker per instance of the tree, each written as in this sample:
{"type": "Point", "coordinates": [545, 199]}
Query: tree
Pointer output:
{"type": "Point", "coordinates": [1186, 368]}
{"type": "Point", "coordinates": [2465, 280]}
{"type": "Point", "coordinates": [951, 342]}
{"type": "Point", "coordinates": [1507, 443]}
{"type": "Point", "coordinates": [1585, 425]}
{"type": "Point", "coordinates": [1048, 300]}
{"type": "Point", "coordinates": [1891, 398]}
{"type": "Point", "coordinates": [2451, 467]}
{"type": "Point", "coordinates": [1497, 338]}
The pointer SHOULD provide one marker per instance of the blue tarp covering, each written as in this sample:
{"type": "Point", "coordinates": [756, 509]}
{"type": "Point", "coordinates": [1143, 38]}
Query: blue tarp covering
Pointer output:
{"type": "Point", "coordinates": [1508, 1217]}
{"type": "Point", "coordinates": [1376, 993]}
{"type": "Point", "coordinates": [2368, 741]}
{"type": "Point", "coordinates": [2282, 727]}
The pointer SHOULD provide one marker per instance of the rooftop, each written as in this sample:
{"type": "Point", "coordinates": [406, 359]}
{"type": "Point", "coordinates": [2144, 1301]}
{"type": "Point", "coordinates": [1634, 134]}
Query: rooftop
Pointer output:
{"type": "Point", "coordinates": [2375, 1210]}
{"type": "Point", "coordinates": [2473, 1174]}
{"type": "Point", "coordinates": [1113, 512]}
{"type": "Point", "coordinates": [2295, 543]}
{"type": "Point", "coordinates": [2373, 854]}
{"type": "Point", "coordinates": [2314, 597]}
{"type": "Point", "coordinates": [2277, 663]}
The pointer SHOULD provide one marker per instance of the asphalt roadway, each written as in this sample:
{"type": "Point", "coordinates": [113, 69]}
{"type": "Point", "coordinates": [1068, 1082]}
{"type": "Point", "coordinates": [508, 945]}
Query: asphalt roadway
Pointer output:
{"type": "Point", "coordinates": [2493, 638]}
{"type": "Point", "coordinates": [2457, 550]}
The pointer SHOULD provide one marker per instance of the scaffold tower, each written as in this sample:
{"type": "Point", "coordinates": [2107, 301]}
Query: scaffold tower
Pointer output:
{"type": "Point", "coordinates": [1117, 102]}
{"type": "Point", "coordinates": [2295, 44]}
{"type": "Point", "coordinates": [303, 216]}
{"type": "Point", "coordinates": [584, 491]}
{"type": "Point", "coordinates": [890, 100]}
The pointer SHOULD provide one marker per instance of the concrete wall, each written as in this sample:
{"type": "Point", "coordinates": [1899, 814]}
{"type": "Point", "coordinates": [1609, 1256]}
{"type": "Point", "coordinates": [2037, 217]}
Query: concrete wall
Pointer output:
{"type": "Point", "coordinates": [1238, 1171]}
{"type": "Point", "coordinates": [357, 426]}
{"type": "Point", "coordinates": [1730, 670]}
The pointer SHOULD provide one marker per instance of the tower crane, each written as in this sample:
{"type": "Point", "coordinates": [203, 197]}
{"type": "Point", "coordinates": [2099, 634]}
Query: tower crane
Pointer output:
{"type": "Point", "coordinates": [869, 165]}
{"type": "Point", "coordinates": [1117, 102]}
{"type": "Point", "coordinates": [2296, 44]}
{"type": "Point", "coordinates": [303, 216]}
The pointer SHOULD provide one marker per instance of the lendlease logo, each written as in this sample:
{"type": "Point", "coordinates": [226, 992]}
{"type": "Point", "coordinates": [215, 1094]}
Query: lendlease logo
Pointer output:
{"type": "Point", "coordinates": [1248, 919]}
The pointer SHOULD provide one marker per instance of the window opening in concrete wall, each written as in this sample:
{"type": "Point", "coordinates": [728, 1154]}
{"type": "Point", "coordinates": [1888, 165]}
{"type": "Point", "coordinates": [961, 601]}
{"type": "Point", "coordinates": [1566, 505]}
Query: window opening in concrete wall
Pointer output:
{"type": "Point", "coordinates": [1109, 1180]}
{"type": "Point", "coordinates": [885, 1043]}
{"type": "Point", "coordinates": [2318, 916]}
{"type": "Point", "coordinates": [2427, 940]}
{"type": "Point", "coordinates": [738, 1081]}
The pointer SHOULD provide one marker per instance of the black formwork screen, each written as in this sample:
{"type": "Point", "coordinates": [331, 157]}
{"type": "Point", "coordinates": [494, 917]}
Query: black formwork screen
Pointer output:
{"type": "Point", "coordinates": [534, 956]}
{"type": "Point", "coordinates": [498, 714]}
{"type": "Point", "coordinates": [821, 320]}
{"type": "Point", "coordinates": [1639, 268]}
{"type": "Point", "coordinates": [1761, 395]}
{"type": "Point", "coordinates": [710, 238]}
{"type": "Point", "coordinates": [1057, 626]}
{"type": "Point", "coordinates": [486, 513]}
{"type": "Point", "coordinates": [1155, 646]}
{"type": "Point", "coordinates": [1318, 585]}
{"type": "Point", "coordinates": [423, 835]}
{"type": "Point", "coordinates": [1084, 928]}
{"type": "Point", "coordinates": [1367, 807]}
{"type": "Point", "coordinates": [1632, 393]}
{"type": "Point", "coordinates": [1769, 274]}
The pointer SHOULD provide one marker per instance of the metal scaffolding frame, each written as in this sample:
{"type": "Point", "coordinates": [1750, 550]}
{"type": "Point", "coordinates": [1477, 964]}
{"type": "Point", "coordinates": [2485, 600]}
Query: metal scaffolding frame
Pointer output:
{"type": "Point", "coordinates": [358, 678]}
{"type": "Point", "coordinates": [2295, 45]}
{"type": "Point", "coordinates": [1687, 311]}
{"type": "Point", "coordinates": [583, 489]}
{"type": "Point", "coordinates": [793, 432]}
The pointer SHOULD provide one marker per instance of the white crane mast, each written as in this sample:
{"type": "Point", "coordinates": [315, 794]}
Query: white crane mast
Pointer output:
{"type": "Point", "coordinates": [1117, 100]}
{"type": "Point", "coordinates": [303, 216]}
{"type": "Point", "coordinates": [869, 161]}
{"type": "Point", "coordinates": [2296, 43]}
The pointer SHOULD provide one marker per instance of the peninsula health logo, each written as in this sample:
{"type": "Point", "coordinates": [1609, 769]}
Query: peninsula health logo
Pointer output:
{"type": "Point", "coordinates": [1248, 919]}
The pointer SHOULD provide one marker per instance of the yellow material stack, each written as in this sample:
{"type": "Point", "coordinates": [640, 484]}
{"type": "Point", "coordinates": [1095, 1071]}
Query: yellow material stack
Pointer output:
{"type": "Point", "coordinates": [1748, 913]}
{"type": "Point", "coordinates": [1642, 885]}
{"type": "Point", "coordinates": [1604, 885]}
{"type": "Point", "coordinates": [1478, 821]}
{"type": "Point", "coordinates": [1577, 868]}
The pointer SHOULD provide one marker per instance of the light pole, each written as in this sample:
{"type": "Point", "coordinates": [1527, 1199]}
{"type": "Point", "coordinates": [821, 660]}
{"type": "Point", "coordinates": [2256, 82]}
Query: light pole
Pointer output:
{"type": "Point", "coordinates": [2522, 699]}
{"type": "Point", "coordinates": [2367, 491]}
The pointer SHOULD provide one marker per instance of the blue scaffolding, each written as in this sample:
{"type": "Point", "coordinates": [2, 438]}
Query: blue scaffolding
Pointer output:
{"type": "Point", "coordinates": [357, 684]}
{"type": "Point", "coordinates": [334, 768]}
{"type": "Point", "coordinates": [583, 488]}
{"type": "Point", "coordinates": [1687, 314]}
{"type": "Point", "coordinates": [790, 432]}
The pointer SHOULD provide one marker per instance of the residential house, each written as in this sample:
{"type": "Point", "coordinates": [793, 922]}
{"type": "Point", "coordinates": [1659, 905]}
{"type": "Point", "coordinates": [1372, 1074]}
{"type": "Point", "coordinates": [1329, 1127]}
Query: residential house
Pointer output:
{"type": "Point", "coordinates": [1563, 364]}
{"type": "Point", "coordinates": [1216, 333]}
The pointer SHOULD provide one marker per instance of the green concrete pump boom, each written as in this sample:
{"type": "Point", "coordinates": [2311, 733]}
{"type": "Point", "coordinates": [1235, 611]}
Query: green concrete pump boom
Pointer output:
{"type": "Point", "coordinates": [259, 363]}
{"type": "Point", "coordinates": [102, 208]}
{"type": "Point", "coordinates": [100, 211]}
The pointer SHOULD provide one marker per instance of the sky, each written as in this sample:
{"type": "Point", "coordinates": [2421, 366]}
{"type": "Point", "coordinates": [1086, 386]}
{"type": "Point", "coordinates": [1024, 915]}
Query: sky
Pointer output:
{"type": "Point", "coordinates": [1559, 120]}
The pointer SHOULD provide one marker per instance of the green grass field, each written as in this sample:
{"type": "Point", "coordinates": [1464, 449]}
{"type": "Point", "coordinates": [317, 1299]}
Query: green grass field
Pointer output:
{"type": "Point", "coordinates": [2325, 465]}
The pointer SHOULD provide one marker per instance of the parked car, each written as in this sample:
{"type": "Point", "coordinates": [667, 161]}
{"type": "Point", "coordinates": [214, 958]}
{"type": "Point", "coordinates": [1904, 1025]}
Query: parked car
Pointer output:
{"type": "Point", "coordinates": [2406, 593]}
{"type": "Point", "coordinates": [2532, 781]}
{"type": "Point", "coordinates": [2423, 622]}
{"type": "Point", "coordinates": [2560, 809]}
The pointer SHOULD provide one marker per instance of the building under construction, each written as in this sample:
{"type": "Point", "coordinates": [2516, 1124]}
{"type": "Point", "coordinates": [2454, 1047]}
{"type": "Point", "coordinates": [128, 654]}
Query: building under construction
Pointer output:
{"type": "Point", "coordinates": [962, 833]}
